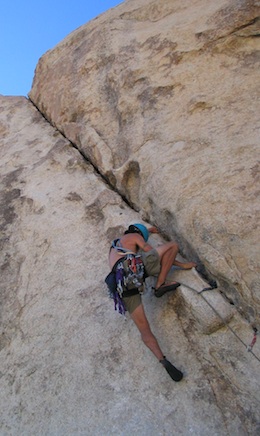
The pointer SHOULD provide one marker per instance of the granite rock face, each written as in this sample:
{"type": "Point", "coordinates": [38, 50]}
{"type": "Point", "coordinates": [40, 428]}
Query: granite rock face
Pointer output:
{"type": "Point", "coordinates": [163, 98]}
{"type": "Point", "coordinates": [69, 364]}
{"type": "Point", "coordinates": [155, 103]}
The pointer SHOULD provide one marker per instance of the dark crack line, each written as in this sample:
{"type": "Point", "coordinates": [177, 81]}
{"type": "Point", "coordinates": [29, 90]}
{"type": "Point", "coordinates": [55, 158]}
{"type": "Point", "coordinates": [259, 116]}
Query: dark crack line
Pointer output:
{"type": "Point", "coordinates": [244, 26]}
{"type": "Point", "coordinates": [86, 158]}
{"type": "Point", "coordinates": [209, 44]}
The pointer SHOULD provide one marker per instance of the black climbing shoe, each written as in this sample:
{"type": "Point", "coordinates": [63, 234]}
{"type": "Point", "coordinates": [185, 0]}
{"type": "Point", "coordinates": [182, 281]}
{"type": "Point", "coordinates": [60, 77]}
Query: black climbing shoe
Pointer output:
{"type": "Point", "coordinates": [159, 292]}
{"type": "Point", "coordinates": [173, 372]}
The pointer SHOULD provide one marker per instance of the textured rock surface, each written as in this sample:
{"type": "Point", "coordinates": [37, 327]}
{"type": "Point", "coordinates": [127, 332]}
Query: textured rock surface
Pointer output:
{"type": "Point", "coordinates": [163, 97]}
{"type": "Point", "coordinates": [68, 363]}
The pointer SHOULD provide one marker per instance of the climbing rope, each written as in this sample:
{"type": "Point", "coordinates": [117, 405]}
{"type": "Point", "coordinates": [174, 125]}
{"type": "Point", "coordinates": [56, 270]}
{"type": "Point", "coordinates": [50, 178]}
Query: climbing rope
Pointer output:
{"type": "Point", "coordinates": [214, 286]}
{"type": "Point", "coordinates": [249, 347]}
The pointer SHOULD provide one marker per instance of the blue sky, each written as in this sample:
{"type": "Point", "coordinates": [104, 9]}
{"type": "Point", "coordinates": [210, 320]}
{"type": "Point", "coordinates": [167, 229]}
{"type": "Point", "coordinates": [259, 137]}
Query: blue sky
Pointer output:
{"type": "Point", "coordinates": [28, 28]}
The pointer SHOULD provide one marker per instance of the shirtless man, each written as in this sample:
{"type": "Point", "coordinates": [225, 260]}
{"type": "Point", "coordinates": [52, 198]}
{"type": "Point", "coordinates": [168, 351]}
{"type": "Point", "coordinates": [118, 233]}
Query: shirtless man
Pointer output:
{"type": "Point", "coordinates": [157, 261]}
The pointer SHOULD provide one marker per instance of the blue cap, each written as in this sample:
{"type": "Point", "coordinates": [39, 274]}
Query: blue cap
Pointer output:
{"type": "Point", "coordinates": [143, 230]}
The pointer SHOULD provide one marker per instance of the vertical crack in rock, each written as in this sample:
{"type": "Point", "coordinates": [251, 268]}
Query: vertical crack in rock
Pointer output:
{"type": "Point", "coordinates": [106, 180]}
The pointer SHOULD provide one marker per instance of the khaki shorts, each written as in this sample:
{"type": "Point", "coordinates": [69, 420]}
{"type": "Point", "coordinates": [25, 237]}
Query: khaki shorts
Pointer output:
{"type": "Point", "coordinates": [151, 260]}
{"type": "Point", "coordinates": [131, 303]}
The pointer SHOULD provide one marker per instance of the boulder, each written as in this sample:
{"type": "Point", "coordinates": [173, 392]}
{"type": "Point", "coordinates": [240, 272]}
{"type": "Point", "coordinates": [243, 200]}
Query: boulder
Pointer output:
{"type": "Point", "coordinates": [163, 98]}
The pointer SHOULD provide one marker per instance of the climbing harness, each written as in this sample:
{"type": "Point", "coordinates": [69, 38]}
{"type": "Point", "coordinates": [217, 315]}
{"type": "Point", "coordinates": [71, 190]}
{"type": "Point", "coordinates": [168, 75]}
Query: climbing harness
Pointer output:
{"type": "Point", "coordinates": [126, 278]}
{"type": "Point", "coordinates": [214, 286]}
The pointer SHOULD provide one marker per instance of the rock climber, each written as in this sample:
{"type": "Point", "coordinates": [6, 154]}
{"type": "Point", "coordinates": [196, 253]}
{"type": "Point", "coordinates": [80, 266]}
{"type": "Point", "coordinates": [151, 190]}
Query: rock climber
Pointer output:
{"type": "Point", "coordinates": [157, 262]}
